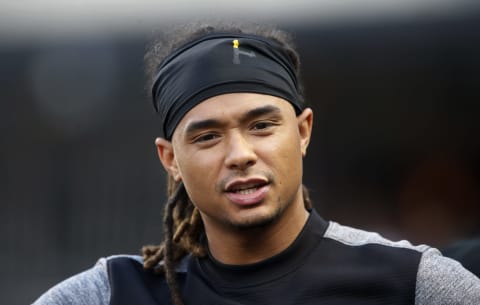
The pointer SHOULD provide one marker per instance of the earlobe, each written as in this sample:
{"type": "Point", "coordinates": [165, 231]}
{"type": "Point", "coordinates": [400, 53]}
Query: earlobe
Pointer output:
{"type": "Point", "coordinates": [305, 122]}
{"type": "Point", "coordinates": [167, 157]}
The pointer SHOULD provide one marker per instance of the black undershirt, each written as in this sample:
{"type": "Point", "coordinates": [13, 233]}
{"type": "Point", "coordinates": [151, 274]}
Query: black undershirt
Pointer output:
{"type": "Point", "coordinates": [313, 270]}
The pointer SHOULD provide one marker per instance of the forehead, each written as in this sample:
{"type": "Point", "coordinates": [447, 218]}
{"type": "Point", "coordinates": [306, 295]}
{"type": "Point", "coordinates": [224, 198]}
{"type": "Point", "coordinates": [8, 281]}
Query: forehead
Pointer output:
{"type": "Point", "coordinates": [234, 104]}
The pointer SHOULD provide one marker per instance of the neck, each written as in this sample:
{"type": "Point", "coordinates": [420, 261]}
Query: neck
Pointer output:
{"type": "Point", "coordinates": [248, 246]}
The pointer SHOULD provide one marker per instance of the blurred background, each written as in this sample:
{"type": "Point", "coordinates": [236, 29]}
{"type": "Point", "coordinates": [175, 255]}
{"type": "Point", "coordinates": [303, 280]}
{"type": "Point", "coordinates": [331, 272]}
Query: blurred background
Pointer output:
{"type": "Point", "coordinates": [395, 87]}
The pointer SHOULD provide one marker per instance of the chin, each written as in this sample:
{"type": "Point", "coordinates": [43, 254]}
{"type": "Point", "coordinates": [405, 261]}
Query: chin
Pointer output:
{"type": "Point", "coordinates": [255, 221]}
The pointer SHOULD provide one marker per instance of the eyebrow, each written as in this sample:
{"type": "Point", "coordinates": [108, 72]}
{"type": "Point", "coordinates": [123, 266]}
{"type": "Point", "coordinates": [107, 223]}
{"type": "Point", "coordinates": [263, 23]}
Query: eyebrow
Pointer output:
{"type": "Point", "coordinates": [192, 127]}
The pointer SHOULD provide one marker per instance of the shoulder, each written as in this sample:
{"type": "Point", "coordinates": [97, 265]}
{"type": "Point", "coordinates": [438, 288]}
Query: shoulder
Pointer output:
{"type": "Point", "coordinates": [395, 263]}
{"type": "Point", "coordinates": [439, 280]}
{"type": "Point", "coordinates": [94, 286]}
{"type": "Point", "coordinates": [136, 261]}
{"type": "Point", "coordinates": [443, 281]}
{"type": "Point", "coordinates": [356, 237]}
{"type": "Point", "coordinates": [88, 287]}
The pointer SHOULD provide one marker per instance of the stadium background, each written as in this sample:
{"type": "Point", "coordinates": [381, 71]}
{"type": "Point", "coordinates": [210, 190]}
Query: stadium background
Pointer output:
{"type": "Point", "coordinates": [395, 92]}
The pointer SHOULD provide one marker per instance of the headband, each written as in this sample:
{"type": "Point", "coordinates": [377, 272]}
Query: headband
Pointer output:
{"type": "Point", "coordinates": [221, 63]}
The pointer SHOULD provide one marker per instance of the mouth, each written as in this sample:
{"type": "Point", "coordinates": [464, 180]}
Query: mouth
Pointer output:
{"type": "Point", "coordinates": [247, 192]}
{"type": "Point", "coordinates": [245, 185]}
{"type": "Point", "coordinates": [246, 188]}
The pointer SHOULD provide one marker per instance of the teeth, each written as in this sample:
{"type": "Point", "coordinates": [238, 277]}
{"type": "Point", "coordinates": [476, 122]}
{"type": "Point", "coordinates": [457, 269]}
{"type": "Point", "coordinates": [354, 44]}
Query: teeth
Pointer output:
{"type": "Point", "coordinates": [246, 191]}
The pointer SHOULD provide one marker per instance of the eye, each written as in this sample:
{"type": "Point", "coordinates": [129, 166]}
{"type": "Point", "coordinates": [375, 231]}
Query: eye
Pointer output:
{"type": "Point", "coordinates": [205, 137]}
{"type": "Point", "coordinates": [261, 125]}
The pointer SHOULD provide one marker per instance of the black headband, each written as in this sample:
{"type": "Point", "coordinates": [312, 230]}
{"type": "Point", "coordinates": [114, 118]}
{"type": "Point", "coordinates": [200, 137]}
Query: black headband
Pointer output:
{"type": "Point", "coordinates": [217, 64]}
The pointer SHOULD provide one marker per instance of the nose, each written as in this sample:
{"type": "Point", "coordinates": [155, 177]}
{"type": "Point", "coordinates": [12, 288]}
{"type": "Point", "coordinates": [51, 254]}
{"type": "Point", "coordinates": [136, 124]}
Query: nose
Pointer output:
{"type": "Point", "coordinates": [240, 153]}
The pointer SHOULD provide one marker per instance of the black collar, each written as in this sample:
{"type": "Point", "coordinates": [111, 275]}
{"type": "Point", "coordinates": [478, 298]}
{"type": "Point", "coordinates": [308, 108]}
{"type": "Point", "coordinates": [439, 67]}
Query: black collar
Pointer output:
{"type": "Point", "coordinates": [272, 268]}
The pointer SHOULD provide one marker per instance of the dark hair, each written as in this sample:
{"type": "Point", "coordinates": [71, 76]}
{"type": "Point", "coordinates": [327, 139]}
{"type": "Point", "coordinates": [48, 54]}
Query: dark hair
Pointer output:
{"type": "Point", "coordinates": [184, 233]}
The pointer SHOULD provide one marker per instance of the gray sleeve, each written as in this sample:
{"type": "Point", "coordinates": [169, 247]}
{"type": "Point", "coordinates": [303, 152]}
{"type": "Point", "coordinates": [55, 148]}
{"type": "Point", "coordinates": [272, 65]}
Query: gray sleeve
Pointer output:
{"type": "Point", "coordinates": [90, 287]}
{"type": "Point", "coordinates": [444, 281]}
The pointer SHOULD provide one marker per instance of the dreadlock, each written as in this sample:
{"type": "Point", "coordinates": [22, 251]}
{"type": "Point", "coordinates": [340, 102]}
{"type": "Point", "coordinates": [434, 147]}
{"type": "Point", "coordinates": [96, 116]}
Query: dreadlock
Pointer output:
{"type": "Point", "coordinates": [184, 232]}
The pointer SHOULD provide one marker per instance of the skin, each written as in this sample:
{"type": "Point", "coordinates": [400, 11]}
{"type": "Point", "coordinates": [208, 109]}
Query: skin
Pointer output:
{"type": "Point", "coordinates": [242, 141]}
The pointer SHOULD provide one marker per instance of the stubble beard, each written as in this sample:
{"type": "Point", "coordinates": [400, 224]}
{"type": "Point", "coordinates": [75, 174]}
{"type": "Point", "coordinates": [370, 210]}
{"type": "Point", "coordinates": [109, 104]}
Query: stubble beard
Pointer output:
{"type": "Point", "coordinates": [259, 221]}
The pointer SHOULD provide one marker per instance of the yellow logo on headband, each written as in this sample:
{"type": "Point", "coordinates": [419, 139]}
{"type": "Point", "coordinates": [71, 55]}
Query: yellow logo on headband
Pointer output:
{"type": "Point", "coordinates": [237, 52]}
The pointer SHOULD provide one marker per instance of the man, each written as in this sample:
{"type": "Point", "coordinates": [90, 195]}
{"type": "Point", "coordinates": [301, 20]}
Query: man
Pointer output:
{"type": "Point", "coordinates": [239, 226]}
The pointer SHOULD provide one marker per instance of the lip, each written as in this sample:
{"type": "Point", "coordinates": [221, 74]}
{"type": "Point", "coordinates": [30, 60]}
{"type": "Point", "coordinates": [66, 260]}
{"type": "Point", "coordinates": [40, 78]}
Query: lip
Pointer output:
{"type": "Point", "coordinates": [251, 198]}
{"type": "Point", "coordinates": [241, 183]}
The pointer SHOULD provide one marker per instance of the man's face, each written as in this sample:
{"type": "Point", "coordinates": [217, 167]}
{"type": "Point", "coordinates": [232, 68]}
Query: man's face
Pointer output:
{"type": "Point", "coordinates": [239, 156]}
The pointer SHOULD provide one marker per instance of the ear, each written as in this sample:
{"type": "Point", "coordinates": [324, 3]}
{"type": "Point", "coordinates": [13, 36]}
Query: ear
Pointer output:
{"type": "Point", "coordinates": [167, 158]}
{"type": "Point", "coordinates": [305, 123]}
